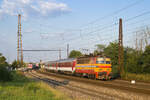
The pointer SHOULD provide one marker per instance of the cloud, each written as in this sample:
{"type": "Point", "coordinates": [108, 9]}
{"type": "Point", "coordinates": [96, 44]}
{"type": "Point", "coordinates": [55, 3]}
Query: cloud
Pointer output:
{"type": "Point", "coordinates": [33, 8]}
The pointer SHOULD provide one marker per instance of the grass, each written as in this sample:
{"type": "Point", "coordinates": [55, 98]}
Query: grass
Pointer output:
{"type": "Point", "coordinates": [21, 88]}
{"type": "Point", "coordinates": [138, 77]}
{"type": "Point", "coordinates": [131, 76]}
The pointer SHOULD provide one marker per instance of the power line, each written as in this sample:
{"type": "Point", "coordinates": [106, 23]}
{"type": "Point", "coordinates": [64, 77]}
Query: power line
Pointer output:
{"type": "Point", "coordinates": [102, 39]}
{"type": "Point", "coordinates": [129, 19]}
{"type": "Point", "coordinates": [116, 12]}
{"type": "Point", "coordinates": [139, 21]}
{"type": "Point", "coordinates": [40, 50]}
{"type": "Point", "coordinates": [134, 17]}
{"type": "Point", "coordinates": [114, 24]}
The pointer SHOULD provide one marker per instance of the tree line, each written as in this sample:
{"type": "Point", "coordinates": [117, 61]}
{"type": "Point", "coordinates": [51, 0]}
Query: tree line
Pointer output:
{"type": "Point", "coordinates": [135, 61]}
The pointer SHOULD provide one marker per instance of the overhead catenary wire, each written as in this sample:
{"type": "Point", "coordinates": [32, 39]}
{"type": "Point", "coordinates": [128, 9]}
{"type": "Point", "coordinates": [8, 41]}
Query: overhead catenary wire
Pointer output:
{"type": "Point", "coordinates": [115, 12]}
{"type": "Point", "coordinates": [116, 23]}
{"type": "Point", "coordinates": [102, 39]}
{"type": "Point", "coordinates": [106, 16]}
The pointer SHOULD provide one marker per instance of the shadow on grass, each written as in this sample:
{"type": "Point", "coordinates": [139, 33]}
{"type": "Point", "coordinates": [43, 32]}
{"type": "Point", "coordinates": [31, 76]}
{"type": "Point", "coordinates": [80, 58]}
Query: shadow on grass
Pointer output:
{"type": "Point", "coordinates": [18, 80]}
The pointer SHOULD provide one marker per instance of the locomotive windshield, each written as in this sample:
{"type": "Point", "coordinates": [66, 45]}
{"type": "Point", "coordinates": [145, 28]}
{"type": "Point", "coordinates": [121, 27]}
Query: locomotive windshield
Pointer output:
{"type": "Point", "coordinates": [100, 62]}
{"type": "Point", "coordinates": [103, 61]}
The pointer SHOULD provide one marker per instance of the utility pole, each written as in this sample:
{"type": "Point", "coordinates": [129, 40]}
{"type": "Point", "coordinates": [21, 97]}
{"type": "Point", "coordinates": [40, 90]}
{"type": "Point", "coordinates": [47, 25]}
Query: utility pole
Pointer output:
{"type": "Point", "coordinates": [120, 53]}
{"type": "Point", "coordinates": [59, 54]}
{"type": "Point", "coordinates": [19, 47]}
{"type": "Point", "coordinates": [18, 41]}
{"type": "Point", "coordinates": [67, 50]}
{"type": "Point", "coordinates": [141, 45]}
{"type": "Point", "coordinates": [21, 43]}
{"type": "Point", "coordinates": [136, 42]}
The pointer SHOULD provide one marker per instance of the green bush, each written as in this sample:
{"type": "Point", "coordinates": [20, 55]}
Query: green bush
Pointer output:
{"type": "Point", "coordinates": [18, 77]}
{"type": "Point", "coordinates": [115, 72]}
{"type": "Point", "coordinates": [5, 75]}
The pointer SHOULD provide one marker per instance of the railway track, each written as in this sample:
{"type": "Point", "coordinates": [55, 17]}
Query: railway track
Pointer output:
{"type": "Point", "coordinates": [86, 91]}
{"type": "Point", "coordinates": [139, 88]}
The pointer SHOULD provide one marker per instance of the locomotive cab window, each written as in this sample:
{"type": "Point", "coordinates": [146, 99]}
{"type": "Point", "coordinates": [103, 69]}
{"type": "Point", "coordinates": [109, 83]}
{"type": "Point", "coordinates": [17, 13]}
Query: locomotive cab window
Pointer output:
{"type": "Point", "coordinates": [103, 61]}
{"type": "Point", "coordinates": [100, 62]}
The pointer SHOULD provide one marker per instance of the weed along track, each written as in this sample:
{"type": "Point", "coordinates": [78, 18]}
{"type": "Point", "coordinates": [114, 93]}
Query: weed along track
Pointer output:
{"type": "Point", "coordinates": [51, 82]}
{"type": "Point", "coordinates": [81, 88]}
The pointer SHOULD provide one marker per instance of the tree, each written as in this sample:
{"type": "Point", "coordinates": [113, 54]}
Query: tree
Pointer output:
{"type": "Point", "coordinates": [112, 51]}
{"type": "Point", "coordinates": [142, 38]}
{"type": "Point", "coordinates": [146, 60]}
{"type": "Point", "coordinates": [75, 54]}
{"type": "Point", "coordinates": [3, 60]}
{"type": "Point", "coordinates": [132, 60]}
{"type": "Point", "coordinates": [138, 62]}
{"type": "Point", "coordinates": [100, 49]}
{"type": "Point", "coordinates": [14, 64]}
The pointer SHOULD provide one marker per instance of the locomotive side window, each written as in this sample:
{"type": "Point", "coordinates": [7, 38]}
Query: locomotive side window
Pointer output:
{"type": "Point", "coordinates": [79, 61]}
{"type": "Point", "coordinates": [84, 60]}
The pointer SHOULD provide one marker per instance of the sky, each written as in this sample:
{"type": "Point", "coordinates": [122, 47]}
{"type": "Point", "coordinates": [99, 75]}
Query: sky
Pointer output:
{"type": "Point", "coordinates": [52, 24]}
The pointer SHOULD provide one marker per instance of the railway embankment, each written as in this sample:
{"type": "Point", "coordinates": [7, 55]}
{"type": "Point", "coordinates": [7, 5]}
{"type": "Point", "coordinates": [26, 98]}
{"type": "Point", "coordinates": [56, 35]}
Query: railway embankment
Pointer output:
{"type": "Point", "coordinates": [97, 89]}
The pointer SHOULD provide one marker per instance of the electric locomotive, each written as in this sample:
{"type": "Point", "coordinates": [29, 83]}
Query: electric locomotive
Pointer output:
{"type": "Point", "coordinates": [94, 67]}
